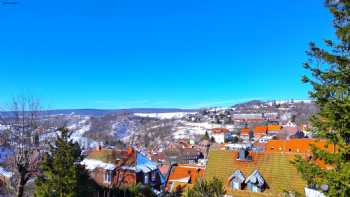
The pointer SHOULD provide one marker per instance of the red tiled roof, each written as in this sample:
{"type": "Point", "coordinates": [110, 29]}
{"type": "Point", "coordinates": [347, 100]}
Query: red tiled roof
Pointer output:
{"type": "Point", "coordinates": [219, 130]}
{"type": "Point", "coordinates": [260, 129]}
{"type": "Point", "coordinates": [295, 145]}
{"type": "Point", "coordinates": [245, 131]}
{"type": "Point", "coordinates": [182, 171]}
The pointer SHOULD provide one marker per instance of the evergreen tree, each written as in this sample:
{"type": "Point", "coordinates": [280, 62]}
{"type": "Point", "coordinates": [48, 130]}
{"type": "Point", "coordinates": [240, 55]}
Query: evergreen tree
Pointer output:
{"type": "Point", "coordinates": [204, 188]}
{"type": "Point", "coordinates": [330, 79]}
{"type": "Point", "coordinates": [206, 136]}
{"type": "Point", "coordinates": [61, 176]}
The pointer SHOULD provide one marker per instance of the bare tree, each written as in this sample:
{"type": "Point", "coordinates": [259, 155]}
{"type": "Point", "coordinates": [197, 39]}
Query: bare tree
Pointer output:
{"type": "Point", "coordinates": [23, 120]}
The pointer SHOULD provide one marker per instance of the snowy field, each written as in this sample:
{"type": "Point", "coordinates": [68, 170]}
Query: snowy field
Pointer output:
{"type": "Point", "coordinates": [167, 115]}
{"type": "Point", "coordinates": [186, 129]}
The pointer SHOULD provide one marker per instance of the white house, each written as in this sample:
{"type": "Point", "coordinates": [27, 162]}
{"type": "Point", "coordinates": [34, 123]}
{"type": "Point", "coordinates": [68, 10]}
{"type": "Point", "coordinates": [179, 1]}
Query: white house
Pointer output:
{"type": "Point", "coordinates": [219, 134]}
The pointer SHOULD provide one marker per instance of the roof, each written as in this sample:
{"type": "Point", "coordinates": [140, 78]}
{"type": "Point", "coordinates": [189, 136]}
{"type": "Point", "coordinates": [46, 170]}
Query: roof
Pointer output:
{"type": "Point", "coordinates": [245, 131]}
{"type": "Point", "coordinates": [181, 173]}
{"type": "Point", "coordinates": [126, 159]}
{"type": "Point", "coordinates": [255, 178]}
{"type": "Point", "coordinates": [91, 164]}
{"type": "Point", "coordinates": [219, 130]}
{"type": "Point", "coordinates": [274, 127]}
{"type": "Point", "coordinates": [144, 164]}
{"type": "Point", "coordinates": [275, 168]}
{"type": "Point", "coordinates": [237, 175]}
{"type": "Point", "coordinates": [260, 129]}
{"type": "Point", "coordinates": [295, 145]}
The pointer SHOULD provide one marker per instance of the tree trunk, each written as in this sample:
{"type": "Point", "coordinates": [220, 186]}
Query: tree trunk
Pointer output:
{"type": "Point", "coordinates": [20, 187]}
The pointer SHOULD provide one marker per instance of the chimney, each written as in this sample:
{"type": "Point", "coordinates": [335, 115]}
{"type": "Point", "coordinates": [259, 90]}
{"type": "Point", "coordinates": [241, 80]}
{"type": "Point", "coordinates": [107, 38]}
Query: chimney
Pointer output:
{"type": "Point", "coordinates": [243, 155]}
{"type": "Point", "coordinates": [99, 147]}
{"type": "Point", "coordinates": [130, 151]}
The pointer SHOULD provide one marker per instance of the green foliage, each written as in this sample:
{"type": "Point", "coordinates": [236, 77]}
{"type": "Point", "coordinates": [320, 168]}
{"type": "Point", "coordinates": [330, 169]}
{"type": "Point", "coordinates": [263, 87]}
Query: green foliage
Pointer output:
{"type": "Point", "coordinates": [60, 175]}
{"type": "Point", "coordinates": [203, 188]}
{"type": "Point", "coordinates": [206, 136]}
{"type": "Point", "coordinates": [330, 78]}
{"type": "Point", "coordinates": [137, 190]}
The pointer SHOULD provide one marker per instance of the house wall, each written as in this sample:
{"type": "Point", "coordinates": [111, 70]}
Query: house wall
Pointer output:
{"type": "Point", "coordinates": [219, 138]}
{"type": "Point", "coordinates": [124, 177]}
{"type": "Point", "coordinates": [98, 175]}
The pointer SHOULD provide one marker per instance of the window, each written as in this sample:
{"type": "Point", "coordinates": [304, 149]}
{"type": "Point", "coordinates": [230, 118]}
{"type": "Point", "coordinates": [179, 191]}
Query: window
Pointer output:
{"type": "Point", "coordinates": [146, 179]}
{"type": "Point", "coordinates": [108, 176]}
{"type": "Point", "coordinates": [153, 176]}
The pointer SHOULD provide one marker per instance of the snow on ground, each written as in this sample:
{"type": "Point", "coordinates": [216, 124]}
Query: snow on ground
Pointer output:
{"type": "Point", "coordinates": [4, 127]}
{"type": "Point", "coordinates": [6, 173]}
{"type": "Point", "coordinates": [186, 129]}
{"type": "Point", "coordinates": [166, 115]}
{"type": "Point", "coordinates": [79, 129]}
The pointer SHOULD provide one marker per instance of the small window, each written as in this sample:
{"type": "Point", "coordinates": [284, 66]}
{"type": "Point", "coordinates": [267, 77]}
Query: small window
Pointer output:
{"type": "Point", "coordinates": [153, 176]}
{"type": "Point", "coordinates": [108, 176]}
{"type": "Point", "coordinates": [290, 150]}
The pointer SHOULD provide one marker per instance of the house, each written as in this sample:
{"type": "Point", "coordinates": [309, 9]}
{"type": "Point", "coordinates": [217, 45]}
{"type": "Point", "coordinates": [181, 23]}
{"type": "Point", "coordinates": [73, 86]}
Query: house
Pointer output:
{"type": "Point", "coordinates": [111, 167]}
{"type": "Point", "coordinates": [273, 129]}
{"type": "Point", "coordinates": [190, 156]}
{"type": "Point", "coordinates": [219, 134]}
{"type": "Point", "coordinates": [260, 131]}
{"type": "Point", "coordinates": [276, 169]}
{"type": "Point", "coordinates": [255, 182]}
{"type": "Point", "coordinates": [236, 180]}
{"type": "Point", "coordinates": [183, 176]}
{"type": "Point", "coordinates": [204, 146]}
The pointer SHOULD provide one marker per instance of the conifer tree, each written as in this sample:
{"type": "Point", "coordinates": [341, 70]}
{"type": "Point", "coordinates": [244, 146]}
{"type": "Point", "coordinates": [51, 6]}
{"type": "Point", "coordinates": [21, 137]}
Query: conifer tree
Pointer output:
{"type": "Point", "coordinates": [61, 176]}
{"type": "Point", "coordinates": [330, 79]}
{"type": "Point", "coordinates": [204, 188]}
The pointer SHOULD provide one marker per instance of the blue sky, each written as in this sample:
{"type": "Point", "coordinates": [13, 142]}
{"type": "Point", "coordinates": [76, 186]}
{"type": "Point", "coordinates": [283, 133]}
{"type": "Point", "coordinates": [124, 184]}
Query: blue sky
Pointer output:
{"type": "Point", "coordinates": [157, 53]}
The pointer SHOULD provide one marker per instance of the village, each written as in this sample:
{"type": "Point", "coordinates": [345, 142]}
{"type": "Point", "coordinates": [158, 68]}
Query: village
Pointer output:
{"type": "Point", "coordinates": [248, 147]}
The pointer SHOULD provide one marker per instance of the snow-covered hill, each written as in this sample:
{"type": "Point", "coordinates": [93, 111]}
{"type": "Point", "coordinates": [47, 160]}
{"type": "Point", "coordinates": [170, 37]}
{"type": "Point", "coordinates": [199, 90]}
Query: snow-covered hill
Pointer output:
{"type": "Point", "coordinates": [168, 115]}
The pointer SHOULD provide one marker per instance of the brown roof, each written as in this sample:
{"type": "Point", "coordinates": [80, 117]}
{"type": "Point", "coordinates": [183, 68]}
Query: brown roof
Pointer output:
{"type": "Point", "coordinates": [183, 171]}
{"type": "Point", "coordinates": [219, 130]}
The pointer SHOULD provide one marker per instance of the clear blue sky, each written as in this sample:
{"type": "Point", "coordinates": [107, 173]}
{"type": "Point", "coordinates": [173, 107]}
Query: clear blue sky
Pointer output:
{"type": "Point", "coordinates": [157, 53]}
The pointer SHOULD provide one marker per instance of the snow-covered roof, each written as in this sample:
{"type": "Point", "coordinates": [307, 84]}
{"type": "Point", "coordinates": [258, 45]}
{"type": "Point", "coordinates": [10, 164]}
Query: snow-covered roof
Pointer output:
{"type": "Point", "coordinates": [144, 164]}
{"type": "Point", "coordinates": [238, 146]}
{"type": "Point", "coordinates": [5, 173]}
{"type": "Point", "coordinates": [91, 164]}
{"type": "Point", "coordinates": [256, 178]}
{"type": "Point", "coordinates": [237, 175]}
{"type": "Point", "coordinates": [182, 180]}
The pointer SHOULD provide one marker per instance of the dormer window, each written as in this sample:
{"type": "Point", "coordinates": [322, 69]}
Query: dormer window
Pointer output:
{"type": "Point", "coordinates": [108, 176]}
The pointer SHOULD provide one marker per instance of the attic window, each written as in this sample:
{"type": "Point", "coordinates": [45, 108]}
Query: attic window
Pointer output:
{"type": "Point", "coordinates": [108, 176]}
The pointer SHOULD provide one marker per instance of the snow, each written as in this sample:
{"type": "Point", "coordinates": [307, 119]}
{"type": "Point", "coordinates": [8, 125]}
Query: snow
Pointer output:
{"type": "Point", "coordinates": [313, 193]}
{"type": "Point", "coordinates": [79, 129]}
{"type": "Point", "coordinates": [4, 127]}
{"type": "Point", "coordinates": [144, 164]}
{"type": "Point", "coordinates": [165, 115]}
{"type": "Point", "coordinates": [92, 164]}
{"type": "Point", "coordinates": [5, 173]}
{"type": "Point", "coordinates": [181, 180]}
{"type": "Point", "coordinates": [185, 129]}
